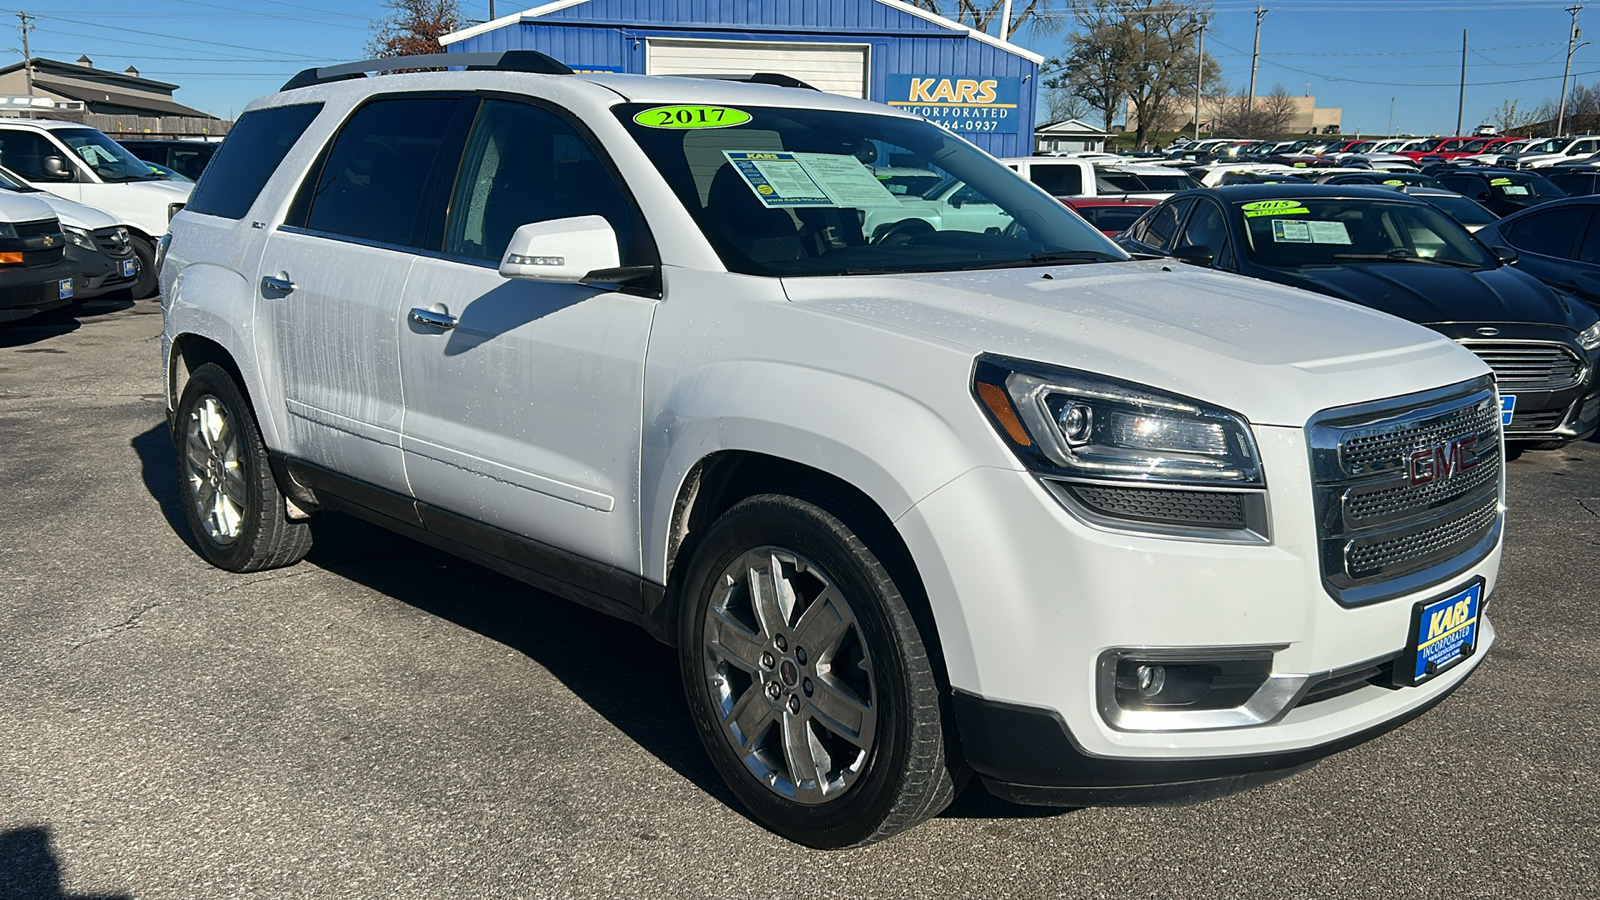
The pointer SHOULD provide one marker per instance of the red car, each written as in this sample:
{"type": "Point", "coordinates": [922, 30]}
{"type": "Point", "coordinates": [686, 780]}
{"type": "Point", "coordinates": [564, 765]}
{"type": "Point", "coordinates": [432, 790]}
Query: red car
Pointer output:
{"type": "Point", "coordinates": [1460, 147]}
{"type": "Point", "coordinates": [1343, 147]}
{"type": "Point", "coordinates": [1112, 215]}
{"type": "Point", "coordinates": [1436, 146]}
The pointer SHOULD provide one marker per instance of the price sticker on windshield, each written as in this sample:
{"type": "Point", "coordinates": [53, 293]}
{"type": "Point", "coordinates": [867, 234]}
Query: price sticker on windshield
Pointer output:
{"type": "Point", "coordinates": [688, 117]}
{"type": "Point", "coordinates": [1274, 208]}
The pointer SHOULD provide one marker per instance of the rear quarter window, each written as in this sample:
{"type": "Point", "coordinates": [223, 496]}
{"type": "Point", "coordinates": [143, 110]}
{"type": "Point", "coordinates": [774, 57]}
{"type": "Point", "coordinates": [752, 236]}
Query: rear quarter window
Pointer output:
{"type": "Point", "coordinates": [257, 144]}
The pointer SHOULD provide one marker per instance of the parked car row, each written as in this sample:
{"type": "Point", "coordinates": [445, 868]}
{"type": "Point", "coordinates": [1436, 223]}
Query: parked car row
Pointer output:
{"type": "Point", "coordinates": [107, 205]}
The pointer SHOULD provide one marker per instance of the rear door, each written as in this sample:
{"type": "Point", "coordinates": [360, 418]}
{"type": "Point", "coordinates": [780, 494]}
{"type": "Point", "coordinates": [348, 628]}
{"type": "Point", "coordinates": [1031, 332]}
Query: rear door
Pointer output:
{"type": "Point", "coordinates": [332, 277]}
{"type": "Point", "coordinates": [523, 411]}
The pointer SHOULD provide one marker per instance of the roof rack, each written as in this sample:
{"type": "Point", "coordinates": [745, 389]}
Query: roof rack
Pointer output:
{"type": "Point", "coordinates": [776, 79]}
{"type": "Point", "coordinates": [504, 61]}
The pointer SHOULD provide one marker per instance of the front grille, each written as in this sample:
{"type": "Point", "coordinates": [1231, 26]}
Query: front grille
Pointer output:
{"type": "Point", "coordinates": [43, 257]}
{"type": "Point", "coordinates": [113, 241]}
{"type": "Point", "coordinates": [37, 229]}
{"type": "Point", "coordinates": [1535, 421]}
{"type": "Point", "coordinates": [1529, 365]}
{"type": "Point", "coordinates": [1407, 490]}
{"type": "Point", "coordinates": [1210, 509]}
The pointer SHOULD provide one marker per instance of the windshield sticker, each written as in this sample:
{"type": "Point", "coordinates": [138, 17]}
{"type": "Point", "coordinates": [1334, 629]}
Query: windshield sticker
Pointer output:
{"type": "Point", "coordinates": [1290, 231]}
{"type": "Point", "coordinates": [778, 179]}
{"type": "Point", "coordinates": [1274, 208]}
{"type": "Point", "coordinates": [1514, 190]}
{"type": "Point", "coordinates": [1300, 231]}
{"type": "Point", "coordinates": [1393, 182]}
{"type": "Point", "coordinates": [1328, 232]}
{"type": "Point", "coordinates": [1497, 182]}
{"type": "Point", "coordinates": [687, 117]}
{"type": "Point", "coordinates": [846, 180]}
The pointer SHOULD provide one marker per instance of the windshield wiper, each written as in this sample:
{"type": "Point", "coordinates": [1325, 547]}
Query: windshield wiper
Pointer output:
{"type": "Point", "coordinates": [1402, 256]}
{"type": "Point", "coordinates": [1054, 258]}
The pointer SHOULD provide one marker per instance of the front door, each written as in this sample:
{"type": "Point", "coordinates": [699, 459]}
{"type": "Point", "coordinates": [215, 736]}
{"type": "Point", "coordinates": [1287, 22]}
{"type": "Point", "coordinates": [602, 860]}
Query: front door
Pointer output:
{"type": "Point", "coordinates": [522, 410]}
{"type": "Point", "coordinates": [332, 278]}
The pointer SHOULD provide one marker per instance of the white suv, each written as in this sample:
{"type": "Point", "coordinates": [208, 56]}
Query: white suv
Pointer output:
{"type": "Point", "coordinates": [999, 501]}
{"type": "Point", "coordinates": [84, 165]}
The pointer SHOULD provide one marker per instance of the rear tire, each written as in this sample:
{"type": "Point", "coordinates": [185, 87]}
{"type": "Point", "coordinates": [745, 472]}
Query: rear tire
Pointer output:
{"type": "Point", "coordinates": [807, 678]}
{"type": "Point", "coordinates": [232, 503]}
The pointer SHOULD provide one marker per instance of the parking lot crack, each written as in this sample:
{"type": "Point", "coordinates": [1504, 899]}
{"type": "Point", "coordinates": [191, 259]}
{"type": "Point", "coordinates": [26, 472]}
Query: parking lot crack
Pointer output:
{"type": "Point", "coordinates": [132, 621]}
{"type": "Point", "coordinates": [1590, 507]}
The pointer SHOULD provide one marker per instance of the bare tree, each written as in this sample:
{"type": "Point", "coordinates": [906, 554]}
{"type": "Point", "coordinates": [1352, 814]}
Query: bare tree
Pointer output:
{"type": "Point", "coordinates": [1510, 118]}
{"type": "Point", "coordinates": [1061, 104]}
{"type": "Point", "coordinates": [413, 27]}
{"type": "Point", "coordinates": [1269, 116]}
{"type": "Point", "coordinates": [1040, 15]}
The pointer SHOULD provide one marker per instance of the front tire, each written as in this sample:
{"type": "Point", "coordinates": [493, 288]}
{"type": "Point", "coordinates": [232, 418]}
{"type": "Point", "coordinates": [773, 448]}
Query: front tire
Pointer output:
{"type": "Point", "coordinates": [230, 499]}
{"type": "Point", "coordinates": [146, 252]}
{"type": "Point", "coordinates": [807, 677]}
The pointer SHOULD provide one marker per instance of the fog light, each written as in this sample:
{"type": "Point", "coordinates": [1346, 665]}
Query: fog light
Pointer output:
{"type": "Point", "coordinates": [1151, 680]}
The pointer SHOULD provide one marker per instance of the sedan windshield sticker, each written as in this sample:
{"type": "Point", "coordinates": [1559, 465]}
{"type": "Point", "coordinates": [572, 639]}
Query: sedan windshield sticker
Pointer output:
{"type": "Point", "coordinates": [1497, 182]}
{"type": "Point", "coordinates": [1513, 190]}
{"type": "Point", "coordinates": [1394, 181]}
{"type": "Point", "coordinates": [1274, 208]}
{"type": "Point", "coordinates": [783, 180]}
{"type": "Point", "coordinates": [686, 117]}
{"type": "Point", "coordinates": [1300, 231]}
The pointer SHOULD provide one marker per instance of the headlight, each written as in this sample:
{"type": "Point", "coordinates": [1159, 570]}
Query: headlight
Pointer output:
{"type": "Point", "coordinates": [1589, 338]}
{"type": "Point", "coordinates": [78, 236]}
{"type": "Point", "coordinates": [7, 231]}
{"type": "Point", "coordinates": [1127, 456]}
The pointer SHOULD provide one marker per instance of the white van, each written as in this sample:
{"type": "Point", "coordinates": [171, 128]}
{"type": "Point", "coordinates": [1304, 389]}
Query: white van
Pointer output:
{"type": "Point", "coordinates": [82, 164]}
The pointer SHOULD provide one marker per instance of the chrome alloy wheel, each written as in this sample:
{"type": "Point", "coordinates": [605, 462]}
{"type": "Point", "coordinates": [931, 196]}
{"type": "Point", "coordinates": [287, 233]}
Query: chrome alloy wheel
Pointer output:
{"type": "Point", "coordinates": [790, 675]}
{"type": "Point", "coordinates": [216, 482]}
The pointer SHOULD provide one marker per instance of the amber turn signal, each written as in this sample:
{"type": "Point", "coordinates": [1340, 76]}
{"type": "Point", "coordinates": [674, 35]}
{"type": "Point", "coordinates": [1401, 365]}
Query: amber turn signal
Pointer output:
{"type": "Point", "coordinates": [999, 404]}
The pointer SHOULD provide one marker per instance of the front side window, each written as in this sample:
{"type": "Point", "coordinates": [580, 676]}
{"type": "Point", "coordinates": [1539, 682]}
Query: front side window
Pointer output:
{"type": "Point", "coordinates": [1207, 229]}
{"type": "Point", "coordinates": [1548, 232]}
{"type": "Point", "coordinates": [373, 182]}
{"type": "Point", "coordinates": [789, 191]}
{"type": "Point", "coordinates": [1461, 209]}
{"type": "Point", "coordinates": [1162, 225]}
{"type": "Point", "coordinates": [23, 152]}
{"type": "Point", "coordinates": [109, 159]}
{"type": "Point", "coordinates": [526, 164]}
{"type": "Point", "coordinates": [1290, 233]}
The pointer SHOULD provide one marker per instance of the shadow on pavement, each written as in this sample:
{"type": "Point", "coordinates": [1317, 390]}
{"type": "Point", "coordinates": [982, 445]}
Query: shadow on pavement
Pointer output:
{"type": "Point", "coordinates": [29, 869]}
{"type": "Point", "coordinates": [158, 468]}
{"type": "Point", "coordinates": [36, 328]}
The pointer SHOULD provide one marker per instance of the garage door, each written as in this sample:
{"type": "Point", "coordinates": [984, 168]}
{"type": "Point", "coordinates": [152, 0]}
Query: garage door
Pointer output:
{"type": "Point", "coordinates": [835, 68]}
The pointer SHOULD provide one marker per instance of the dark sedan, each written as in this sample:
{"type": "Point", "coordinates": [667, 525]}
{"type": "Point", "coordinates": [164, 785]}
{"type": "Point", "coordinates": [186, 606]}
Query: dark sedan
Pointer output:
{"type": "Point", "coordinates": [1391, 252]}
{"type": "Point", "coordinates": [1501, 191]}
{"type": "Point", "coordinates": [1558, 243]}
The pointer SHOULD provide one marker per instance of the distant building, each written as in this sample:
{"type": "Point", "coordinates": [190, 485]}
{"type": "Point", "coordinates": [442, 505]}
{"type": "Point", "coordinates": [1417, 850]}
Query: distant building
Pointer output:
{"type": "Point", "coordinates": [1308, 117]}
{"type": "Point", "coordinates": [110, 93]}
{"type": "Point", "coordinates": [1069, 136]}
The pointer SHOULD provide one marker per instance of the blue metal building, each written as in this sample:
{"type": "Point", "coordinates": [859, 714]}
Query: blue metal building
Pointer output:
{"type": "Point", "coordinates": [883, 50]}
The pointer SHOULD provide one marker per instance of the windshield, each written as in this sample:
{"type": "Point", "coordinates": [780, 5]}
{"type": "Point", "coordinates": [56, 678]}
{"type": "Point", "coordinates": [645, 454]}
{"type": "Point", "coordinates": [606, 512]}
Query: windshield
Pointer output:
{"type": "Point", "coordinates": [1461, 209]}
{"type": "Point", "coordinates": [1554, 145]}
{"type": "Point", "coordinates": [785, 191]}
{"type": "Point", "coordinates": [1524, 189]}
{"type": "Point", "coordinates": [109, 159]}
{"type": "Point", "coordinates": [1114, 182]}
{"type": "Point", "coordinates": [1292, 233]}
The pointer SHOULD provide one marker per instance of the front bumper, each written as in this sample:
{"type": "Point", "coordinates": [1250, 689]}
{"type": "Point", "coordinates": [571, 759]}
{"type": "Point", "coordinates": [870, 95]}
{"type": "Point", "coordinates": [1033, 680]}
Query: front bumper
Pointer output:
{"type": "Point", "coordinates": [1028, 598]}
{"type": "Point", "coordinates": [101, 272]}
{"type": "Point", "coordinates": [27, 290]}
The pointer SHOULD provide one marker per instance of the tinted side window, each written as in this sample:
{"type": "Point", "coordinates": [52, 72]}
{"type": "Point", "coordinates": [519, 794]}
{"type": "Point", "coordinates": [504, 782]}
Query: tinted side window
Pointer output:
{"type": "Point", "coordinates": [1164, 224]}
{"type": "Point", "coordinates": [23, 152]}
{"type": "Point", "coordinates": [257, 144]}
{"type": "Point", "coordinates": [1589, 252]}
{"type": "Point", "coordinates": [1206, 228]}
{"type": "Point", "coordinates": [526, 164]}
{"type": "Point", "coordinates": [1550, 232]}
{"type": "Point", "coordinates": [1058, 181]}
{"type": "Point", "coordinates": [376, 181]}
{"type": "Point", "coordinates": [1466, 186]}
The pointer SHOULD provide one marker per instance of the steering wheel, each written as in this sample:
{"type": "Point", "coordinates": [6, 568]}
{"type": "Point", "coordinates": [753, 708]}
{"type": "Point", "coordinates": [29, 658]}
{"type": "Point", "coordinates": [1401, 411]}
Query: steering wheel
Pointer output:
{"type": "Point", "coordinates": [900, 233]}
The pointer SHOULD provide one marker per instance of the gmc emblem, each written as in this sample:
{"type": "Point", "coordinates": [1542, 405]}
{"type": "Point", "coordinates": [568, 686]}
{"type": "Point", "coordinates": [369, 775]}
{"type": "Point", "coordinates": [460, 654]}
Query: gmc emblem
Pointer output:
{"type": "Point", "coordinates": [1444, 462]}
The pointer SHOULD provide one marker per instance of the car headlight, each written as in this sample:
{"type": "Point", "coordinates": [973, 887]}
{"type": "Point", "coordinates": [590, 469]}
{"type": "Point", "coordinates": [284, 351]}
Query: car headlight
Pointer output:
{"type": "Point", "coordinates": [7, 231]}
{"type": "Point", "coordinates": [1589, 338]}
{"type": "Point", "coordinates": [78, 236]}
{"type": "Point", "coordinates": [1126, 455]}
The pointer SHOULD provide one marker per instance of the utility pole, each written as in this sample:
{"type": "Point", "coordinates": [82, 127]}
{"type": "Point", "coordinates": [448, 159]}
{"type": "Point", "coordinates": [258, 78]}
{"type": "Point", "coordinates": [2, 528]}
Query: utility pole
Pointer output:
{"type": "Point", "coordinates": [1572, 38]}
{"type": "Point", "coordinates": [1005, 20]}
{"type": "Point", "coordinates": [1199, 71]}
{"type": "Point", "coordinates": [1255, 57]}
{"type": "Point", "coordinates": [27, 55]}
{"type": "Point", "coordinates": [1461, 102]}
{"type": "Point", "coordinates": [1390, 132]}
{"type": "Point", "coordinates": [491, 10]}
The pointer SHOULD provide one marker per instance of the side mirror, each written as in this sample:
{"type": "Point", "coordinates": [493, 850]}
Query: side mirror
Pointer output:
{"type": "Point", "coordinates": [1193, 254]}
{"type": "Point", "coordinates": [562, 250]}
{"type": "Point", "coordinates": [1505, 254]}
{"type": "Point", "coordinates": [57, 169]}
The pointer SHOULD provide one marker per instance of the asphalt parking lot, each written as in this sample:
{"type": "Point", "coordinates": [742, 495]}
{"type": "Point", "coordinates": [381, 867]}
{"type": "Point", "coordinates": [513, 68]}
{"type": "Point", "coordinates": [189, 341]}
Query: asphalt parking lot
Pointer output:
{"type": "Point", "coordinates": [383, 720]}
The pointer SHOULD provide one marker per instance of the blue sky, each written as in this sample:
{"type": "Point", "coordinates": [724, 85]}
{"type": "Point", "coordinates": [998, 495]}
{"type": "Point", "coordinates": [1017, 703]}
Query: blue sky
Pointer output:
{"type": "Point", "coordinates": [224, 53]}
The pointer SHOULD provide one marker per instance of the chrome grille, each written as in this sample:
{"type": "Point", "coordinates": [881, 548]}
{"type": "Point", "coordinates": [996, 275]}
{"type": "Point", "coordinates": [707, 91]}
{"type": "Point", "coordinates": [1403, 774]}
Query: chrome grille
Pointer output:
{"type": "Point", "coordinates": [1407, 490]}
{"type": "Point", "coordinates": [113, 241]}
{"type": "Point", "coordinates": [1529, 365]}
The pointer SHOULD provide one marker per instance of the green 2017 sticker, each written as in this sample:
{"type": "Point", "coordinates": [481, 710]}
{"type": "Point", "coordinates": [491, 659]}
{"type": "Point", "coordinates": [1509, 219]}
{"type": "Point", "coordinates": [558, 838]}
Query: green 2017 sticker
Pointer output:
{"type": "Point", "coordinates": [1497, 182]}
{"type": "Point", "coordinates": [1394, 182]}
{"type": "Point", "coordinates": [692, 117]}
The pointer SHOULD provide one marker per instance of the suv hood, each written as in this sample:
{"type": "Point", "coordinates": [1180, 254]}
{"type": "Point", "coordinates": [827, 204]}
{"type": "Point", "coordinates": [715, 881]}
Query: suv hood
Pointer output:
{"type": "Point", "coordinates": [1430, 294]}
{"type": "Point", "coordinates": [68, 211]}
{"type": "Point", "coordinates": [16, 207]}
{"type": "Point", "coordinates": [1273, 354]}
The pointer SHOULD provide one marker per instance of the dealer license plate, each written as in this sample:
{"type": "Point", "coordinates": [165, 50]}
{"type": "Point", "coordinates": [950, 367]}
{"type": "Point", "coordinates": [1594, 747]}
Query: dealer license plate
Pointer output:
{"type": "Point", "coordinates": [1508, 405]}
{"type": "Point", "coordinates": [1444, 631]}
{"type": "Point", "coordinates": [64, 288]}
{"type": "Point", "coordinates": [130, 268]}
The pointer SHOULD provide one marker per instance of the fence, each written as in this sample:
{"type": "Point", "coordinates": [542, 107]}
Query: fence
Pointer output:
{"type": "Point", "coordinates": [153, 126]}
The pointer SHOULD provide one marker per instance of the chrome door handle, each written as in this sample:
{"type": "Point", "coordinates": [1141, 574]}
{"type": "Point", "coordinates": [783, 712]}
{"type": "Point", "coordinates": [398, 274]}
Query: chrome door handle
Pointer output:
{"type": "Point", "coordinates": [276, 284]}
{"type": "Point", "coordinates": [433, 319]}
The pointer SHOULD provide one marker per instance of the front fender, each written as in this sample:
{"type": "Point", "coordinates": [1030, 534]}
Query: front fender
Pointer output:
{"type": "Point", "coordinates": [223, 313]}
